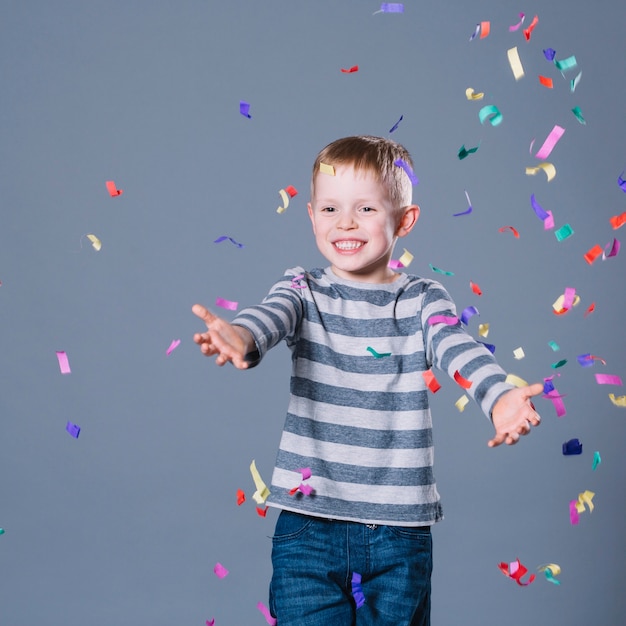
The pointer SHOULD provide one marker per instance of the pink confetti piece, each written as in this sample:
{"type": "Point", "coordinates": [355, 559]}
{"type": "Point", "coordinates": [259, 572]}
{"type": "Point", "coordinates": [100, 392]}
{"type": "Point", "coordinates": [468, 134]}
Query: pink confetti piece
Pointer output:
{"type": "Point", "coordinates": [551, 140]}
{"type": "Point", "coordinates": [175, 343]}
{"type": "Point", "coordinates": [608, 379]}
{"type": "Point", "coordinates": [449, 320]}
{"type": "Point", "coordinates": [113, 190]}
{"type": "Point", "coordinates": [574, 518]}
{"type": "Point", "coordinates": [220, 570]}
{"type": "Point", "coordinates": [515, 27]}
{"type": "Point", "coordinates": [548, 223]}
{"type": "Point", "coordinates": [64, 363]}
{"type": "Point", "coordinates": [266, 614]}
{"type": "Point", "coordinates": [557, 402]}
{"type": "Point", "coordinates": [306, 472]}
{"type": "Point", "coordinates": [210, 622]}
{"type": "Point", "coordinates": [568, 298]}
{"type": "Point", "coordinates": [295, 282]}
{"type": "Point", "coordinates": [615, 246]}
{"type": "Point", "coordinates": [394, 264]}
{"type": "Point", "coordinates": [226, 304]}
{"type": "Point", "coordinates": [244, 109]}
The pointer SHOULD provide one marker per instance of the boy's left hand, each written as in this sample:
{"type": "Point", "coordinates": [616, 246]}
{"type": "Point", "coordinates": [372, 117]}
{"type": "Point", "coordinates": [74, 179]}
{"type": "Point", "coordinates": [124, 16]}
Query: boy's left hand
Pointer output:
{"type": "Point", "coordinates": [513, 414]}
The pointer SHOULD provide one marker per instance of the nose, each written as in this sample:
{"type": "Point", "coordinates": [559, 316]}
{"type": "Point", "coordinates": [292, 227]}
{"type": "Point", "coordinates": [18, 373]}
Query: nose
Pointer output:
{"type": "Point", "coordinates": [346, 221]}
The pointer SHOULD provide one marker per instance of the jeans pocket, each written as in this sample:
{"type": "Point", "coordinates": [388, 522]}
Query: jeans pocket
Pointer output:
{"type": "Point", "coordinates": [290, 526]}
{"type": "Point", "coordinates": [416, 533]}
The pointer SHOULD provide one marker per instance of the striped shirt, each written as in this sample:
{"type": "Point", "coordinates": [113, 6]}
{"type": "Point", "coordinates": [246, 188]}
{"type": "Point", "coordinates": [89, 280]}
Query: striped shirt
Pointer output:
{"type": "Point", "coordinates": [358, 413]}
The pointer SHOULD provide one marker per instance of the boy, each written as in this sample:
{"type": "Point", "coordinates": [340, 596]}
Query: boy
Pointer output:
{"type": "Point", "coordinates": [361, 337]}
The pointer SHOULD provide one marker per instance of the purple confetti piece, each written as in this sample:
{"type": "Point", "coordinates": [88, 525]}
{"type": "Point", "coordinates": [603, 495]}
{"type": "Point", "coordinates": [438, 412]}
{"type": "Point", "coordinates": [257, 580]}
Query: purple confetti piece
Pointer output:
{"type": "Point", "coordinates": [73, 429]}
{"type": "Point", "coordinates": [621, 182]}
{"type": "Point", "coordinates": [244, 109]}
{"type": "Point", "coordinates": [573, 446]}
{"type": "Point", "coordinates": [539, 211]}
{"type": "Point", "coordinates": [468, 312]}
{"type": "Point", "coordinates": [614, 249]}
{"type": "Point", "coordinates": [392, 7]}
{"type": "Point", "coordinates": [226, 238]}
{"type": "Point", "coordinates": [549, 53]}
{"type": "Point", "coordinates": [395, 126]}
{"type": "Point", "coordinates": [407, 168]}
{"type": "Point", "coordinates": [357, 590]}
{"type": "Point", "coordinates": [489, 346]}
{"type": "Point", "coordinates": [585, 360]}
{"type": "Point", "coordinates": [468, 211]}
{"type": "Point", "coordinates": [548, 386]}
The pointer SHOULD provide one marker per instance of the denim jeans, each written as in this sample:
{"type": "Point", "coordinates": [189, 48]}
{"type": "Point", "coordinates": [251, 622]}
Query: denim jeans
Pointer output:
{"type": "Point", "coordinates": [314, 560]}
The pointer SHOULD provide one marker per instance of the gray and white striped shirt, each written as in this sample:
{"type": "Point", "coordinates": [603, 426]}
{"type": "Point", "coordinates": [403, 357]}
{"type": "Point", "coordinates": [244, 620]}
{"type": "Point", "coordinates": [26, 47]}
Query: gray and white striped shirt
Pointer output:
{"type": "Point", "coordinates": [359, 418]}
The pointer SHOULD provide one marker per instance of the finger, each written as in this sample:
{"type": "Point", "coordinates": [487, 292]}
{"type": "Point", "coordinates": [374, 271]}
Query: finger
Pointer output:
{"type": "Point", "coordinates": [512, 439]}
{"type": "Point", "coordinates": [497, 440]}
{"type": "Point", "coordinates": [203, 313]}
{"type": "Point", "coordinates": [533, 390]}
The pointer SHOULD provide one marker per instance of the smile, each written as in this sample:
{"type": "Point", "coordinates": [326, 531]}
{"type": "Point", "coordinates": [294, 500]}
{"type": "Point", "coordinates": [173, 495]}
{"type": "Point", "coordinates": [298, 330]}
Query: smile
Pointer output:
{"type": "Point", "coordinates": [348, 245]}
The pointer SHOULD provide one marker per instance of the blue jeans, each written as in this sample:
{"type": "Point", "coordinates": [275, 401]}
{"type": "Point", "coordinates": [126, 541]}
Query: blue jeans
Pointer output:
{"type": "Point", "coordinates": [314, 560]}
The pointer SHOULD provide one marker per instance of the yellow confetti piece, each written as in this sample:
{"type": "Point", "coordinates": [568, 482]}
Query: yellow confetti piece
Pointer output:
{"type": "Point", "coordinates": [470, 94]}
{"type": "Point", "coordinates": [285, 198]}
{"type": "Point", "coordinates": [327, 169]}
{"type": "Point", "coordinates": [548, 168]}
{"type": "Point", "coordinates": [515, 63]}
{"type": "Point", "coordinates": [618, 401]}
{"type": "Point", "coordinates": [461, 403]}
{"type": "Point", "coordinates": [558, 303]}
{"type": "Point", "coordinates": [262, 492]}
{"type": "Point", "coordinates": [516, 380]}
{"type": "Point", "coordinates": [585, 498]}
{"type": "Point", "coordinates": [95, 242]}
{"type": "Point", "coordinates": [483, 330]}
{"type": "Point", "coordinates": [406, 258]}
{"type": "Point", "coordinates": [518, 353]}
{"type": "Point", "coordinates": [553, 567]}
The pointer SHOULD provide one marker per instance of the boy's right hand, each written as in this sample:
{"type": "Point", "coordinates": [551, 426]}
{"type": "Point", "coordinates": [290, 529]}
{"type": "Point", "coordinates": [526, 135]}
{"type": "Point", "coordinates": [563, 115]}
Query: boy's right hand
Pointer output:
{"type": "Point", "coordinates": [230, 343]}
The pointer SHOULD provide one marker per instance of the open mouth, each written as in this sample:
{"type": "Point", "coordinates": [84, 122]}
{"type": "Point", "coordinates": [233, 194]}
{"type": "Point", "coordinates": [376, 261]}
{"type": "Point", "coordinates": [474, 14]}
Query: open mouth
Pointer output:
{"type": "Point", "coordinates": [348, 245]}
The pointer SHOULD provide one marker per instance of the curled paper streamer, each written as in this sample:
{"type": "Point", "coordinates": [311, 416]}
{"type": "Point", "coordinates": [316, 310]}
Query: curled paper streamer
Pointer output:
{"type": "Point", "coordinates": [596, 460]}
{"type": "Point", "coordinates": [483, 330]}
{"type": "Point", "coordinates": [468, 312]}
{"type": "Point", "coordinates": [469, 209]}
{"type": "Point", "coordinates": [241, 497]}
{"type": "Point", "coordinates": [618, 400]}
{"type": "Point", "coordinates": [395, 126]}
{"type": "Point", "coordinates": [512, 229]}
{"type": "Point", "coordinates": [220, 570]}
{"type": "Point", "coordinates": [585, 498]}
{"type": "Point", "coordinates": [537, 208]}
{"type": "Point", "coordinates": [463, 151]}
{"type": "Point", "coordinates": [548, 168]}
{"type": "Point", "coordinates": [175, 343]}
{"type": "Point", "coordinates": [491, 113]}
{"type": "Point", "coordinates": [431, 381]}
{"type": "Point", "coordinates": [516, 26]}
{"type": "Point", "coordinates": [608, 379]}
{"type": "Point", "coordinates": [516, 380]}
{"type": "Point", "coordinates": [226, 304]}
{"type": "Point", "coordinates": [262, 492]}
{"type": "Point", "coordinates": [564, 232]}
{"type": "Point", "coordinates": [113, 190]}
{"type": "Point", "coordinates": [266, 614]}
{"type": "Point", "coordinates": [546, 82]}
{"type": "Point", "coordinates": [64, 363]}
{"type": "Point", "coordinates": [244, 109]}
{"type": "Point", "coordinates": [377, 355]}
{"type": "Point", "coordinates": [516, 571]}
{"type": "Point", "coordinates": [354, 68]}
{"type": "Point", "coordinates": [73, 429]}
{"type": "Point", "coordinates": [95, 242]}
{"type": "Point", "coordinates": [461, 403]}
{"type": "Point", "coordinates": [579, 115]}
{"type": "Point", "coordinates": [551, 140]}
{"type": "Point", "coordinates": [439, 271]}
{"type": "Point", "coordinates": [463, 382]}
{"type": "Point", "coordinates": [357, 590]}
{"type": "Point", "coordinates": [470, 94]}
{"type": "Point", "coordinates": [617, 221]}
{"type": "Point", "coordinates": [550, 571]}
{"type": "Point", "coordinates": [529, 30]}
{"type": "Point", "coordinates": [442, 319]}
{"type": "Point", "coordinates": [285, 194]}
{"type": "Point", "coordinates": [515, 63]}
{"type": "Point", "coordinates": [571, 447]}
{"type": "Point", "coordinates": [407, 168]}
{"type": "Point", "coordinates": [226, 238]}
{"type": "Point", "coordinates": [327, 169]}
{"type": "Point", "coordinates": [518, 353]}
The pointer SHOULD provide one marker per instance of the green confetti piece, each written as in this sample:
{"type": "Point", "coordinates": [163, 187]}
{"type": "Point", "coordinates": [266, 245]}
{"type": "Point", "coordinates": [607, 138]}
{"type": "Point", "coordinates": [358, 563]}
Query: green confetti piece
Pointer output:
{"type": "Point", "coordinates": [550, 576]}
{"type": "Point", "coordinates": [444, 272]}
{"type": "Point", "coordinates": [574, 82]}
{"type": "Point", "coordinates": [463, 151]}
{"type": "Point", "coordinates": [554, 345]}
{"type": "Point", "coordinates": [564, 232]}
{"type": "Point", "coordinates": [558, 364]}
{"type": "Point", "coordinates": [566, 64]}
{"type": "Point", "coordinates": [596, 460]}
{"type": "Point", "coordinates": [1, 531]}
{"type": "Point", "coordinates": [579, 116]}
{"type": "Point", "coordinates": [491, 113]}
{"type": "Point", "coordinates": [378, 355]}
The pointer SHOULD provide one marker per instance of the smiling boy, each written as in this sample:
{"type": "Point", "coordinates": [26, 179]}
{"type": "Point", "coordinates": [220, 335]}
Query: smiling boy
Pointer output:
{"type": "Point", "coordinates": [361, 336]}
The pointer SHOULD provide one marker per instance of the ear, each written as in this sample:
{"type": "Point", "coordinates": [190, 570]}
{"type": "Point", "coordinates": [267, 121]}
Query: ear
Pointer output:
{"type": "Point", "coordinates": [409, 217]}
{"type": "Point", "coordinates": [310, 210]}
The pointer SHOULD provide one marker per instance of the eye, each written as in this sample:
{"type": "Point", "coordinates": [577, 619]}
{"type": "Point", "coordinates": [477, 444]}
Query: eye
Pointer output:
{"type": "Point", "coordinates": [328, 209]}
{"type": "Point", "coordinates": [368, 209]}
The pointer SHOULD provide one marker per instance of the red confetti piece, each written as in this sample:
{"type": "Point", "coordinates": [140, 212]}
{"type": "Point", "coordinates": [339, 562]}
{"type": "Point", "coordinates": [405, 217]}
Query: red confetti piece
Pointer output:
{"type": "Point", "coordinates": [546, 82]}
{"type": "Point", "coordinates": [463, 382]}
{"type": "Point", "coordinates": [516, 571]}
{"type": "Point", "coordinates": [513, 230]}
{"type": "Point", "coordinates": [590, 310]}
{"type": "Point", "coordinates": [476, 289]}
{"type": "Point", "coordinates": [241, 497]}
{"type": "Point", "coordinates": [113, 190]}
{"type": "Point", "coordinates": [618, 220]}
{"type": "Point", "coordinates": [292, 191]}
{"type": "Point", "coordinates": [529, 30]}
{"type": "Point", "coordinates": [354, 68]}
{"type": "Point", "coordinates": [431, 381]}
{"type": "Point", "coordinates": [261, 512]}
{"type": "Point", "coordinates": [591, 255]}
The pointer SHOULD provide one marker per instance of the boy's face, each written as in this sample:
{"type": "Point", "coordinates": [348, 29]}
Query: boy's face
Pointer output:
{"type": "Point", "coordinates": [356, 225]}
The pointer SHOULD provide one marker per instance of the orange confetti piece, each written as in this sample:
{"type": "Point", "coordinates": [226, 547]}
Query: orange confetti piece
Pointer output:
{"type": "Point", "coordinates": [618, 220]}
{"type": "Point", "coordinates": [485, 28]}
{"type": "Point", "coordinates": [476, 289]}
{"type": "Point", "coordinates": [591, 255]}
{"type": "Point", "coordinates": [513, 230]}
{"type": "Point", "coordinates": [463, 382]}
{"type": "Point", "coordinates": [354, 68]}
{"type": "Point", "coordinates": [431, 381]}
{"type": "Point", "coordinates": [546, 82]}
{"type": "Point", "coordinates": [113, 190]}
{"type": "Point", "coordinates": [590, 309]}
{"type": "Point", "coordinates": [241, 497]}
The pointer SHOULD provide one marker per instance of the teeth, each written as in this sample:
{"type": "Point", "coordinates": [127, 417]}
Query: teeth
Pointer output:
{"type": "Point", "coordinates": [348, 245]}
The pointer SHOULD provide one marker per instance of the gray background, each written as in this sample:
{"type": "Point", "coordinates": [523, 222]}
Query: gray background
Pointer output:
{"type": "Point", "coordinates": [123, 525]}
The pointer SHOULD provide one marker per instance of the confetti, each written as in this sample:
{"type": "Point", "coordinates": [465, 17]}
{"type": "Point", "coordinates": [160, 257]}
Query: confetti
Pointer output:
{"type": "Point", "coordinates": [516, 571]}
{"type": "Point", "coordinates": [406, 258]}
{"type": "Point", "coordinates": [226, 238]}
{"type": "Point", "coordinates": [220, 570]}
{"type": "Point", "coordinates": [529, 30]}
{"type": "Point", "coordinates": [579, 115]}
{"type": "Point", "coordinates": [515, 63]}
{"type": "Point", "coordinates": [261, 512]}
{"type": "Point", "coordinates": [210, 622]}
{"type": "Point", "coordinates": [572, 447]}
{"type": "Point", "coordinates": [296, 282]}
{"type": "Point", "coordinates": [560, 363]}
{"type": "Point", "coordinates": [554, 345]}
{"type": "Point", "coordinates": [442, 319]}
{"type": "Point", "coordinates": [461, 403]}
{"type": "Point", "coordinates": [618, 400]}
{"type": "Point", "coordinates": [470, 94]}
{"type": "Point", "coordinates": [357, 590]}
{"type": "Point", "coordinates": [515, 27]}
{"type": "Point", "coordinates": [285, 194]}
{"type": "Point", "coordinates": [244, 109]}
{"type": "Point", "coordinates": [518, 353]}
{"type": "Point", "coordinates": [585, 360]}
{"type": "Point", "coordinates": [566, 64]}
{"type": "Point", "coordinates": [538, 209]}
{"type": "Point", "coordinates": [468, 313]}
{"type": "Point", "coordinates": [2, 531]}
{"type": "Point", "coordinates": [615, 246]}
{"type": "Point", "coordinates": [546, 82]}
{"type": "Point", "coordinates": [621, 182]}
{"type": "Point", "coordinates": [175, 343]}
{"type": "Point", "coordinates": [564, 232]}
{"type": "Point", "coordinates": [64, 363]}
{"type": "Point", "coordinates": [95, 242]}
{"type": "Point", "coordinates": [226, 304]}
{"type": "Point", "coordinates": [327, 169]}
{"type": "Point", "coordinates": [489, 346]}
{"type": "Point", "coordinates": [391, 7]}
{"type": "Point", "coordinates": [551, 140]}
{"type": "Point", "coordinates": [241, 497]}
{"type": "Point", "coordinates": [354, 68]}
{"type": "Point", "coordinates": [550, 571]}
{"type": "Point", "coordinates": [463, 151]}
{"type": "Point", "coordinates": [592, 254]}
{"type": "Point", "coordinates": [262, 492]}
{"type": "Point", "coordinates": [575, 81]}
{"type": "Point", "coordinates": [463, 382]}
{"type": "Point", "coordinates": [439, 271]}
{"type": "Point", "coordinates": [549, 53]}
{"type": "Point", "coordinates": [573, 513]}
{"type": "Point", "coordinates": [483, 330]}
{"type": "Point", "coordinates": [468, 210]}
{"type": "Point", "coordinates": [113, 190]}
{"type": "Point", "coordinates": [491, 113]}
{"type": "Point", "coordinates": [596, 461]}
{"type": "Point", "coordinates": [516, 380]}
{"type": "Point", "coordinates": [557, 402]}
{"type": "Point", "coordinates": [431, 381]}
{"type": "Point", "coordinates": [548, 168]}
{"type": "Point", "coordinates": [608, 379]}
{"type": "Point", "coordinates": [73, 429]}
{"type": "Point", "coordinates": [483, 28]}
{"type": "Point", "coordinates": [617, 221]}
{"type": "Point", "coordinates": [590, 309]}
{"type": "Point", "coordinates": [377, 355]}
{"type": "Point", "coordinates": [395, 126]}
{"type": "Point", "coordinates": [476, 289]}
{"type": "Point", "coordinates": [584, 498]}
{"type": "Point", "coordinates": [266, 614]}
{"type": "Point", "coordinates": [408, 169]}
{"type": "Point", "coordinates": [513, 230]}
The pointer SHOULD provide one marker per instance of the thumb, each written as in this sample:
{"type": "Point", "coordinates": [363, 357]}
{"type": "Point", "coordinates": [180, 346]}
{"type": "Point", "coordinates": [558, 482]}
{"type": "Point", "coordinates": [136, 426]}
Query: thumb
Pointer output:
{"type": "Point", "coordinates": [533, 390]}
{"type": "Point", "coordinates": [203, 313]}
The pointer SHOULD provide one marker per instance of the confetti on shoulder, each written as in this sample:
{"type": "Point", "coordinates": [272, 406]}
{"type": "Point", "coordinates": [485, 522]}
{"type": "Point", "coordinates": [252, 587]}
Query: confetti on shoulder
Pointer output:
{"type": "Point", "coordinates": [113, 190]}
{"type": "Point", "coordinates": [327, 169]}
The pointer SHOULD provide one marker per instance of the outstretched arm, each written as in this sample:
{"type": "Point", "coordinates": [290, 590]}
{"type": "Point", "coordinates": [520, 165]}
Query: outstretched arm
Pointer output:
{"type": "Point", "coordinates": [229, 342]}
{"type": "Point", "coordinates": [513, 415]}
